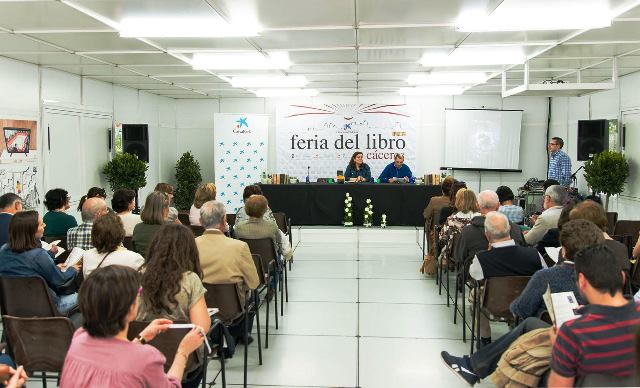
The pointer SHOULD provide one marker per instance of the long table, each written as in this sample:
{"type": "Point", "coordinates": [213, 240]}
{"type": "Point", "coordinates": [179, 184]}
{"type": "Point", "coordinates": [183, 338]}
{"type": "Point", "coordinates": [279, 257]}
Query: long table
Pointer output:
{"type": "Point", "coordinates": [323, 204]}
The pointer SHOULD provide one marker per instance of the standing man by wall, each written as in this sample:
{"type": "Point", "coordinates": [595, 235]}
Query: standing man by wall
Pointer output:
{"type": "Point", "coordinates": [560, 163]}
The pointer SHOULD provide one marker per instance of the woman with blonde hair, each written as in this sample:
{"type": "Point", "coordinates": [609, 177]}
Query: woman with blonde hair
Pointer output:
{"type": "Point", "coordinates": [466, 204]}
{"type": "Point", "coordinates": [205, 193]}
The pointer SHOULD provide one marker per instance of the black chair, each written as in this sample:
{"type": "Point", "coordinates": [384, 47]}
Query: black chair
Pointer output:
{"type": "Point", "coordinates": [264, 275]}
{"type": "Point", "coordinates": [39, 344]}
{"type": "Point", "coordinates": [231, 221]}
{"type": "Point", "coordinates": [128, 243]}
{"type": "Point", "coordinates": [197, 230]}
{"type": "Point", "coordinates": [183, 217]}
{"type": "Point", "coordinates": [493, 301]}
{"type": "Point", "coordinates": [226, 297]}
{"type": "Point", "coordinates": [612, 219]}
{"type": "Point", "coordinates": [628, 228]}
{"type": "Point", "coordinates": [27, 297]}
{"type": "Point", "coordinates": [266, 248]}
{"type": "Point", "coordinates": [167, 343]}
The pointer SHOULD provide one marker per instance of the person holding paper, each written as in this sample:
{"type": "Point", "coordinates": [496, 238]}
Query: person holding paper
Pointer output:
{"type": "Point", "coordinates": [575, 235]}
{"type": "Point", "coordinates": [101, 354]}
{"type": "Point", "coordinates": [604, 330]}
{"type": "Point", "coordinates": [357, 170]}
{"type": "Point", "coordinates": [22, 256]}
{"type": "Point", "coordinates": [396, 171]}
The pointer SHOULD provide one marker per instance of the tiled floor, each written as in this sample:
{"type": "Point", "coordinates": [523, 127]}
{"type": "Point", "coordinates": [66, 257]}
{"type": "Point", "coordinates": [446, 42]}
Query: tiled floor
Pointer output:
{"type": "Point", "coordinates": [359, 315]}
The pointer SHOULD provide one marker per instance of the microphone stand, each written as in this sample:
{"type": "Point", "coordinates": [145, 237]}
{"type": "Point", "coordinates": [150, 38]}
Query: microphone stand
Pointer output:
{"type": "Point", "coordinates": [308, 180]}
{"type": "Point", "coordinates": [574, 179]}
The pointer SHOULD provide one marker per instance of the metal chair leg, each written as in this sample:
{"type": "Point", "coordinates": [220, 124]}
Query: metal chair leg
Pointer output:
{"type": "Point", "coordinates": [448, 287]}
{"type": "Point", "coordinates": [286, 283]}
{"type": "Point", "coordinates": [464, 311]}
{"type": "Point", "coordinates": [455, 298]}
{"type": "Point", "coordinates": [275, 302]}
{"type": "Point", "coordinates": [266, 336]}
{"type": "Point", "coordinates": [222, 370]}
{"type": "Point", "coordinates": [246, 346]}
{"type": "Point", "coordinates": [282, 276]}
{"type": "Point", "coordinates": [257, 307]}
{"type": "Point", "coordinates": [473, 320]}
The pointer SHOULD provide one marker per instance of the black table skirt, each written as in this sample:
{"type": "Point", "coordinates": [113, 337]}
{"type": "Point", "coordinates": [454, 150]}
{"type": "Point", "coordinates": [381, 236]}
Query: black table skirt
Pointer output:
{"type": "Point", "coordinates": [323, 204]}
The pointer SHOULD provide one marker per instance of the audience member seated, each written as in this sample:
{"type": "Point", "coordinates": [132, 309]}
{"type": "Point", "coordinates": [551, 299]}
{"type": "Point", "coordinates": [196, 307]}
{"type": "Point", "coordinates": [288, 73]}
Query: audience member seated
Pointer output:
{"type": "Point", "coordinates": [504, 258]}
{"type": "Point", "coordinates": [552, 237]}
{"type": "Point", "coordinates": [257, 227]}
{"type": "Point", "coordinates": [446, 211]}
{"type": "Point", "coordinates": [173, 212]}
{"type": "Point", "coordinates": [513, 212]}
{"type": "Point", "coordinates": [172, 284]}
{"type": "Point", "coordinates": [553, 201]}
{"type": "Point", "coordinates": [58, 222]}
{"type": "Point", "coordinates": [603, 330]}
{"type": "Point", "coordinates": [225, 260]}
{"type": "Point", "coordinates": [101, 355]}
{"type": "Point", "coordinates": [153, 216]}
{"type": "Point", "coordinates": [594, 198]}
{"type": "Point", "coordinates": [241, 214]}
{"type": "Point", "coordinates": [431, 215]}
{"type": "Point", "coordinates": [594, 212]}
{"type": "Point", "coordinates": [473, 238]}
{"type": "Point", "coordinates": [80, 236]}
{"type": "Point", "coordinates": [106, 236]}
{"type": "Point", "coordinates": [94, 192]}
{"type": "Point", "coordinates": [10, 204]}
{"type": "Point", "coordinates": [205, 193]}
{"type": "Point", "coordinates": [22, 256]}
{"type": "Point", "coordinates": [123, 202]}
{"type": "Point", "coordinates": [575, 235]}
{"type": "Point", "coordinates": [467, 208]}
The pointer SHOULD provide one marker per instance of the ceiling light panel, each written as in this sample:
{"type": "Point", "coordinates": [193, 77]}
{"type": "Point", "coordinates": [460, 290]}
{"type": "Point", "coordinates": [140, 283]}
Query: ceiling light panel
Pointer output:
{"type": "Point", "coordinates": [294, 81]}
{"type": "Point", "coordinates": [240, 61]}
{"type": "Point", "coordinates": [183, 28]}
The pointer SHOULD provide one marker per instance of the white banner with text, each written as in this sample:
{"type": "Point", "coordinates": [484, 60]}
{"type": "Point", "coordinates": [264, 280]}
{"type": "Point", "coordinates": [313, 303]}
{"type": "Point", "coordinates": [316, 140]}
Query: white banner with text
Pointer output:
{"type": "Point", "coordinates": [321, 139]}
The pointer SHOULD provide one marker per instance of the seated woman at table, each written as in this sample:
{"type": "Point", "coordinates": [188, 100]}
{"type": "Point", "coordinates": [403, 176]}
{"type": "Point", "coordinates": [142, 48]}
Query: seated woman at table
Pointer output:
{"type": "Point", "coordinates": [357, 170]}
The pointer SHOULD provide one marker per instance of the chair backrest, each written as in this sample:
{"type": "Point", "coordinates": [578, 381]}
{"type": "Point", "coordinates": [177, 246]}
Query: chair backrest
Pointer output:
{"type": "Point", "coordinates": [612, 219]}
{"type": "Point", "coordinates": [281, 220]}
{"type": "Point", "coordinates": [61, 244]}
{"type": "Point", "coordinates": [263, 247]}
{"type": "Point", "coordinates": [197, 230]}
{"type": "Point", "coordinates": [167, 342]}
{"type": "Point", "coordinates": [262, 274]}
{"type": "Point", "coordinates": [128, 243]}
{"type": "Point", "coordinates": [627, 228]}
{"type": "Point", "coordinates": [26, 297]}
{"type": "Point", "coordinates": [225, 297]}
{"type": "Point", "coordinates": [499, 292]}
{"type": "Point", "coordinates": [231, 219]}
{"type": "Point", "coordinates": [40, 344]}
{"type": "Point", "coordinates": [183, 216]}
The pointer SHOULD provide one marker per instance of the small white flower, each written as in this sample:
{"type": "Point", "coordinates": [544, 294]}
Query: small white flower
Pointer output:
{"type": "Point", "coordinates": [346, 201]}
{"type": "Point", "coordinates": [349, 214]}
{"type": "Point", "coordinates": [368, 200]}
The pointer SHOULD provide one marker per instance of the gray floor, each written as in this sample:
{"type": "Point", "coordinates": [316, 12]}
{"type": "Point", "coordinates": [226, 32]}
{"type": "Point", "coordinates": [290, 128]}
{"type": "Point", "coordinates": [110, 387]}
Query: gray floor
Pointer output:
{"type": "Point", "coordinates": [359, 315]}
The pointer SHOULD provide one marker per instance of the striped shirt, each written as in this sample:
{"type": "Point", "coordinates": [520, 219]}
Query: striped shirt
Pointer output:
{"type": "Point", "coordinates": [601, 341]}
{"type": "Point", "coordinates": [560, 168]}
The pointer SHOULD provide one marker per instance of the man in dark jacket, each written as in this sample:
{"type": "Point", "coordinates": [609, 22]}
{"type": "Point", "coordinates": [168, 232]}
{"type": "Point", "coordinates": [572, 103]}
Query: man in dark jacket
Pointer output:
{"type": "Point", "coordinates": [10, 204]}
{"type": "Point", "coordinates": [472, 238]}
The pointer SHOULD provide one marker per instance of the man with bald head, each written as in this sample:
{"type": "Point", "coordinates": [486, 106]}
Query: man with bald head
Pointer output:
{"type": "Point", "coordinates": [503, 258]}
{"type": "Point", "coordinates": [472, 238]}
{"type": "Point", "coordinates": [80, 236]}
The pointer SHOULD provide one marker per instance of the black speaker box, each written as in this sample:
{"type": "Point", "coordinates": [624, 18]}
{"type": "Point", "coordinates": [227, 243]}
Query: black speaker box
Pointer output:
{"type": "Point", "coordinates": [135, 140]}
{"type": "Point", "coordinates": [593, 137]}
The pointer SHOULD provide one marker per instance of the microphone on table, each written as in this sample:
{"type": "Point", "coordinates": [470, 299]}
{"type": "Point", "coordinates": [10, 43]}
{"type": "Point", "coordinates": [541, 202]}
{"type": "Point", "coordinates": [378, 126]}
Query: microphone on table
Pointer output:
{"type": "Point", "coordinates": [308, 180]}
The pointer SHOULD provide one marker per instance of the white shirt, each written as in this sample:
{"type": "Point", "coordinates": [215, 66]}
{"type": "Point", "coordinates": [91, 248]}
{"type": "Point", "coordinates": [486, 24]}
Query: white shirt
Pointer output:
{"type": "Point", "coordinates": [129, 221]}
{"type": "Point", "coordinates": [194, 215]}
{"type": "Point", "coordinates": [475, 269]}
{"type": "Point", "coordinates": [121, 256]}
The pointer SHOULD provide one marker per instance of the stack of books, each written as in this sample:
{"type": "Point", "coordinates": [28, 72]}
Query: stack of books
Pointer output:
{"type": "Point", "coordinates": [432, 179]}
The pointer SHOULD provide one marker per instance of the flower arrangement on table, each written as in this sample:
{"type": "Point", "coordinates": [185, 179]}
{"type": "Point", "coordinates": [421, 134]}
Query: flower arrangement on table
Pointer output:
{"type": "Point", "coordinates": [368, 213]}
{"type": "Point", "coordinates": [383, 221]}
{"type": "Point", "coordinates": [348, 213]}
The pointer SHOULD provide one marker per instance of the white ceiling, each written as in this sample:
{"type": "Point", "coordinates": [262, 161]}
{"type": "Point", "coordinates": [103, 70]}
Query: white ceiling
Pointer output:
{"type": "Point", "coordinates": [343, 47]}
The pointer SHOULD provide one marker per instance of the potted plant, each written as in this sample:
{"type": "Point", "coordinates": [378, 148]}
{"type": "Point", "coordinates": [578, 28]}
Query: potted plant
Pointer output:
{"type": "Point", "coordinates": [607, 173]}
{"type": "Point", "coordinates": [188, 177]}
{"type": "Point", "coordinates": [126, 171]}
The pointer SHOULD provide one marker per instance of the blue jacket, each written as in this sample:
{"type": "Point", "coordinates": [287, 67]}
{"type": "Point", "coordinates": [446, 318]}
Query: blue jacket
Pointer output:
{"type": "Point", "coordinates": [5, 218]}
{"type": "Point", "coordinates": [34, 262]}
{"type": "Point", "coordinates": [392, 172]}
{"type": "Point", "coordinates": [364, 172]}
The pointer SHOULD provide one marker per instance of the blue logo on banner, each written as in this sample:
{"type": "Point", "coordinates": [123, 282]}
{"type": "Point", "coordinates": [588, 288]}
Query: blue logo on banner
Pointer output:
{"type": "Point", "coordinates": [242, 121]}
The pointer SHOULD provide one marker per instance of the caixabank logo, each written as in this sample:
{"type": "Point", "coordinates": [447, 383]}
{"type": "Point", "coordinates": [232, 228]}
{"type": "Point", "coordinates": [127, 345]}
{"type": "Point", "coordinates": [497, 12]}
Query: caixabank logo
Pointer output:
{"type": "Point", "coordinates": [242, 126]}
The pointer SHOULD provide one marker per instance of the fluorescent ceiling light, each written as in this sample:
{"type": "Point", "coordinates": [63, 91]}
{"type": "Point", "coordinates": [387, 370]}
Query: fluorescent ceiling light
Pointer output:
{"type": "Point", "coordinates": [285, 92]}
{"type": "Point", "coordinates": [527, 15]}
{"type": "Point", "coordinates": [438, 90]}
{"type": "Point", "coordinates": [278, 81]}
{"type": "Point", "coordinates": [240, 61]}
{"type": "Point", "coordinates": [183, 28]}
{"type": "Point", "coordinates": [475, 56]}
{"type": "Point", "coordinates": [448, 78]}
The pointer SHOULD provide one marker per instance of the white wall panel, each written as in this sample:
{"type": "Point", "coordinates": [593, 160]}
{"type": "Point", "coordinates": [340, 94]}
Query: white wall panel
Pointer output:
{"type": "Point", "coordinates": [20, 85]}
{"type": "Point", "coordinates": [97, 94]}
{"type": "Point", "coordinates": [62, 87]}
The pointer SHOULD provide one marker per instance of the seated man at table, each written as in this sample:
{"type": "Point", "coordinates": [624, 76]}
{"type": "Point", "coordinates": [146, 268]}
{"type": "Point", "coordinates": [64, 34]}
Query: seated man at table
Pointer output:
{"type": "Point", "coordinates": [396, 171]}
